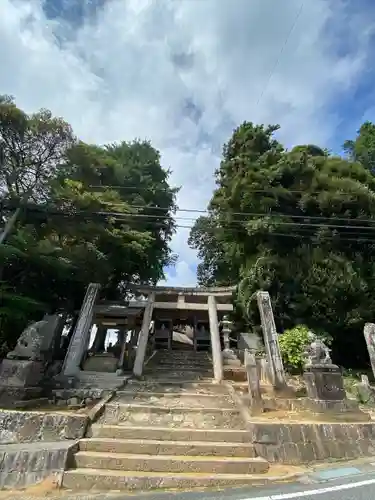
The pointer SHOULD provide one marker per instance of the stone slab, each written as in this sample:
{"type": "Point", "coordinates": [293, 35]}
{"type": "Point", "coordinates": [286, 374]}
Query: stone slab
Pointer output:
{"type": "Point", "coordinates": [23, 465]}
{"type": "Point", "coordinates": [20, 373]}
{"type": "Point", "coordinates": [10, 394]}
{"type": "Point", "coordinates": [164, 447]}
{"type": "Point", "coordinates": [175, 399]}
{"type": "Point", "coordinates": [28, 426]}
{"type": "Point", "coordinates": [170, 463]}
{"type": "Point", "coordinates": [100, 480]}
{"type": "Point", "coordinates": [170, 433]}
{"type": "Point", "coordinates": [161, 416]}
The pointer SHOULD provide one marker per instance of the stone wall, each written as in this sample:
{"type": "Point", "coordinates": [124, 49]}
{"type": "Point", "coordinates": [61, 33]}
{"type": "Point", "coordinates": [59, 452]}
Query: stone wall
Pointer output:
{"type": "Point", "coordinates": [30, 426]}
{"type": "Point", "coordinates": [296, 443]}
{"type": "Point", "coordinates": [27, 464]}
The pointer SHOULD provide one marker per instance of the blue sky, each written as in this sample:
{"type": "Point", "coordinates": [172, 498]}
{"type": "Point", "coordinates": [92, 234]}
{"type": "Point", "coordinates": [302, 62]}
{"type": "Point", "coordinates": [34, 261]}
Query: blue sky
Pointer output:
{"type": "Point", "coordinates": [183, 73]}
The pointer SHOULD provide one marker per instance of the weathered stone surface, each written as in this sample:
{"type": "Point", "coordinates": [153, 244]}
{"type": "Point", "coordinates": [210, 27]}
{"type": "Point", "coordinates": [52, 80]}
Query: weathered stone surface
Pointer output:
{"type": "Point", "coordinates": [324, 382]}
{"type": "Point", "coordinates": [20, 373]}
{"type": "Point", "coordinates": [166, 463]}
{"type": "Point", "coordinates": [365, 393]}
{"type": "Point", "coordinates": [248, 341]}
{"type": "Point", "coordinates": [36, 341]}
{"type": "Point", "coordinates": [27, 426]}
{"type": "Point", "coordinates": [9, 395]}
{"type": "Point", "coordinates": [170, 433]}
{"type": "Point", "coordinates": [172, 417]}
{"type": "Point", "coordinates": [81, 333]}
{"type": "Point", "coordinates": [163, 447]}
{"type": "Point", "coordinates": [271, 340]}
{"type": "Point", "coordinates": [24, 464]}
{"type": "Point", "coordinates": [103, 480]}
{"type": "Point", "coordinates": [297, 443]}
{"type": "Point", "coordinates": [255, 395]}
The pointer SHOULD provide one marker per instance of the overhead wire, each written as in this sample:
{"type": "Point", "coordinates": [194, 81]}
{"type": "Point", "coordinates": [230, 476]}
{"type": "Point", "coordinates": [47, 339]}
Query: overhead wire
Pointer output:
{"type": "Point", "coordinates": [359, 235]}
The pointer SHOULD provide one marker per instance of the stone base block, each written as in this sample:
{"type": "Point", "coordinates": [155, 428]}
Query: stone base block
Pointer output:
{"type": "Point", "coordinates": [324, 382]}
{"type": "Point", "coordinates": [31, 426]}
{"type": "Point", "coordinates": [21, 373]}
{"type": "Point", "coordinates": [23, 465]}
{"type": "Point", "coordinates": [11, 396]}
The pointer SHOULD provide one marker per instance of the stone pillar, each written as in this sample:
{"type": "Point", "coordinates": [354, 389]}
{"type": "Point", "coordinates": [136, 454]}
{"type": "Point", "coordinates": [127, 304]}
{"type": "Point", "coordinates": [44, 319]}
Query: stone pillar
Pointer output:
{"type": "Point", "coordinates": [143, 336]}
{"type": "Point", "coordinates": [369, 333]}
{"type": "Point", "coordinates": [80, 337]}
{"type": "Point", "coordinates": [255, 394]}
{"type": "Point", "coordinates": [120, 365]}
{"type": "Point", "coordinates": [217, 358]}
{"type": "Point", "coordinates": [271, 341]}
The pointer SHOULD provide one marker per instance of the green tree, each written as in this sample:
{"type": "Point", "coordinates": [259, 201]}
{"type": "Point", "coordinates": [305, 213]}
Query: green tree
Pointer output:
{"type": "Point", "coordinates": [362, 148]}
{"type": "Point", "coordinates": [92, 213]}
{"type": "Point", "coordinates": [299, 225]}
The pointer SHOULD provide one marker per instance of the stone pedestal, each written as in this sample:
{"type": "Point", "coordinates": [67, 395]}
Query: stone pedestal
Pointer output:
{"type": "Point", "coordinates": [326, 393]}
{"type": "Point", "coordinates": [324, 382]}
{"type": "Point", "coordinates": [19, 381]}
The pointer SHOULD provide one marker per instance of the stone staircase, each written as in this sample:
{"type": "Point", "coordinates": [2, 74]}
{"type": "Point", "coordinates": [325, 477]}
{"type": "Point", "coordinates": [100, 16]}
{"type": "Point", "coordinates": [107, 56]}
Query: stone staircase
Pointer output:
{"type": "Point", "coordinates": [174, 429]}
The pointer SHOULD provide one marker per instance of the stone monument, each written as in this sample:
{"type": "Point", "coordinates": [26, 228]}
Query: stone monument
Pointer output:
{"type": "Point", "coordinates": [23, 369]}
{"type": "Point", "coordinates": [325, 384]}
{"type": "Point", "coordinates": [271, 342]}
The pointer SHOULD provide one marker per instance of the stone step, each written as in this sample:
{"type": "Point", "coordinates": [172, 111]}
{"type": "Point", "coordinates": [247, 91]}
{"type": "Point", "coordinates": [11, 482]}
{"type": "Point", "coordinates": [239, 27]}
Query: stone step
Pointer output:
{"type": "Point", "coordinates": [180, 366]}
{"type": "Point", "coordinates": [175, 353]}
{"type": "Point", "coordinates": [102, 480]}
{"type": "Point", "coordinates": [162, 416]}
{"type": "Point", "coordinates": [178, 371]}
{"type": "Point", "coordinates": [168, 385]}
{"type": "Point", "coordinates": [170, 433]}
{"type": "Point", "coordinates": [100, 380]}
{"type": "Point", "coordinates": [180, 361]}
{"type": "Point", "coordinates": [170, 463]}
{"type": "Point", "coordinates": [175, 399]}
{"type": "Point", "coordinates": [163, 447]}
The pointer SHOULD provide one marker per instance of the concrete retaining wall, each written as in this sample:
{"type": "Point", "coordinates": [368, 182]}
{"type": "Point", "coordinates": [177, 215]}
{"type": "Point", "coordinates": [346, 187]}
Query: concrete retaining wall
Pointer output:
{"type": "Point", "coordinates": [31, 426]}
{"type": "Point", "coordinates": [296, 443]}
{"type": "Point", "coordinates": [22, 465]}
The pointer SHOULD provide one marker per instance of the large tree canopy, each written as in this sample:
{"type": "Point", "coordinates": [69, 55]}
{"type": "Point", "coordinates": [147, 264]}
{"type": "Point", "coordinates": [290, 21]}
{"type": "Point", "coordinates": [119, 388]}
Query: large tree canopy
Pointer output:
{"type": "Point", "coordinates": [84, 213]}
{"type": "Point", "coordinates": [299, 224]}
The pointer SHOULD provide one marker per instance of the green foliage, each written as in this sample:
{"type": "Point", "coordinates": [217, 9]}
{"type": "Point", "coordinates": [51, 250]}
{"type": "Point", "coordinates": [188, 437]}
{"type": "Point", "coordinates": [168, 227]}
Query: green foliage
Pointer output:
{"type": "Point", "coordinates": [362, 149]}
{"type": "Point", "coordinates": [293, 344]}
{"type": "Point", "coordinates": [299, 225]}
{"type": "Point", "coordinates": [89, 214]}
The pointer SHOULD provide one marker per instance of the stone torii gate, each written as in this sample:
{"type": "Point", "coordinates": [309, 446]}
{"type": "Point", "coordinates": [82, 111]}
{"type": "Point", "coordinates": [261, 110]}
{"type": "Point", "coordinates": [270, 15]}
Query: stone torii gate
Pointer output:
{"type": "Point", "coordinates": [208, 304]}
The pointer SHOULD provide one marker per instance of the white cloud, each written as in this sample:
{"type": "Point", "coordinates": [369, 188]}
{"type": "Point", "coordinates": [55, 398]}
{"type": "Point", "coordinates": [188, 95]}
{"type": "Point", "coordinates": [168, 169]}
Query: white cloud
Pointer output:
{"type": "Point", "coordinates": [135, 68]}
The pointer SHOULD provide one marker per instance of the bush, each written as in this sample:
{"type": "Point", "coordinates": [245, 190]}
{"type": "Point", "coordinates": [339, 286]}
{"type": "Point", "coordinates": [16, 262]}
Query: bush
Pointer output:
{"type": "Point", "coordinates": [293, 344]}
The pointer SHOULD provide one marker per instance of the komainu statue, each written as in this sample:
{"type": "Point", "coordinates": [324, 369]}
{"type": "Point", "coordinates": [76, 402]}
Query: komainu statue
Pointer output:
{"type": "Point", "coordinates": [36, 340]}
{"type": "Point", "coordinates": [317, 352]}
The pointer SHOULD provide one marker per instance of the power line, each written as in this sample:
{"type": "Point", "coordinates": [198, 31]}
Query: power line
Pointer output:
{"type": "Point", "coordinates": [124, 216]}
{"type": "Point", "coordinates": [160, 225]}
{"type": "Point", "coordinates": [265, 87]}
